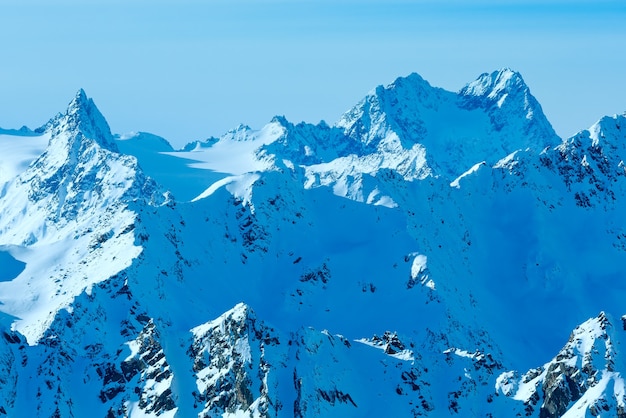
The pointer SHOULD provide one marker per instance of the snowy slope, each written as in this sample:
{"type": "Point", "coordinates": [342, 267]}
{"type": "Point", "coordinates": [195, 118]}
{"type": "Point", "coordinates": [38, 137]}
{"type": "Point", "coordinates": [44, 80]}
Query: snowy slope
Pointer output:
{"type": "Point", "coordinates": [421, 257]}
{"type": "Point", "coordinates": [23, 147]}
{"type": "Point", "coordinates": [65, 216]}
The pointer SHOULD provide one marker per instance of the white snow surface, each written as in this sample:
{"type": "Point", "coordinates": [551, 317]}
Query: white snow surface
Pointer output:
{"type": "Point", "coordinates": [23, 150]}
{"type": "Point", "coordinates": [235, 152]}
{"type": "Point", "coordinates": [475, 168]}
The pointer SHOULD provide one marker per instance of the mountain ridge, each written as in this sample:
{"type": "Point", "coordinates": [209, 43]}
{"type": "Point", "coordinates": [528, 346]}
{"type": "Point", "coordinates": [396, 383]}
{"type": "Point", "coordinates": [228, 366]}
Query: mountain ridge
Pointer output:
{"type": "Point", "coordinates": [390, 264]}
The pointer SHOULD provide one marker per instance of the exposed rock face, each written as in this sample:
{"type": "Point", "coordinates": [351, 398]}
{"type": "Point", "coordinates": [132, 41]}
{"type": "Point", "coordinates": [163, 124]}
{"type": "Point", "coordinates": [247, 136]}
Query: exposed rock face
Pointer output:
{"type": "Point", "coordinates": [146, 371]}
{"type": "Point", "coordinates": [581, 377]}
{"type": "Point", "coordinates": [230, 365]}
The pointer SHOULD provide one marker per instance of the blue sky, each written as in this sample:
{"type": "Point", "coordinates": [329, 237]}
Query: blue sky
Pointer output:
{"type": "Point", "coordinates": [187, 70]}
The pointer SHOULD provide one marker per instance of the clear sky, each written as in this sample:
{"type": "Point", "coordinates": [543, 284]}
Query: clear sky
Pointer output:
{"type": "Point", "coordinates": [190, 69]}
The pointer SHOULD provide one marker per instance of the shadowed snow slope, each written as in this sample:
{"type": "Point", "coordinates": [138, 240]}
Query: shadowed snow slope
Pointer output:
{"type": "Point", "coordinates": [427, 255]}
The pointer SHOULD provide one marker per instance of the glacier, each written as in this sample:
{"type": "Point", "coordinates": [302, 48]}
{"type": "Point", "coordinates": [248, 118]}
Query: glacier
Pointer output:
{"type": "Point", "coordinates": [432, 253]}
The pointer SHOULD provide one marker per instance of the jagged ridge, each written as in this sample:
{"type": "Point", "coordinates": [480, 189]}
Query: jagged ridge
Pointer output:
{"type": "Point", "coordinates": [431, 270]}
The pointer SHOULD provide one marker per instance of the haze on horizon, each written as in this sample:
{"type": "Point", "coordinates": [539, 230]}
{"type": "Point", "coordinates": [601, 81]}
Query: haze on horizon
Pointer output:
{"type": "Point", "coordinates": [193, 69]}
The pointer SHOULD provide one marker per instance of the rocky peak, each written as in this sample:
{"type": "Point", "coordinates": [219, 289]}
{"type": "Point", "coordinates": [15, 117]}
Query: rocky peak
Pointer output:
{"type": "Point", "coordinates": [228, 360]}
{"type": "Point", "coordinates": [281, 120]}
{"type": "Point", "coordinates": [490, 118]}
{"type": "Point", "coordinates": [496, 84]}
{"type": "Point", "coordinates": [611, 131]}
{"type": "Point", "coordinates": [83, 119]}
{"type": "Point", "coordinates": [240, 133]}
{"type": "Point", "coordinates": [396, 109]}
{"type": "Point", "coordinates": [512, 109]}
{"type": "Point", "coordinates": [504, 91]}
{"type": "Point", "coordinates": [591, 163]}
{"type": "Point", "coordinates": [581, 377]}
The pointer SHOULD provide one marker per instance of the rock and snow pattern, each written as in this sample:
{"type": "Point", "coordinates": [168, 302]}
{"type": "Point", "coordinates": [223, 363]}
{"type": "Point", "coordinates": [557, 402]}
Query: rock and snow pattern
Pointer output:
{"type": "Point", "coordinates": [430, 254]}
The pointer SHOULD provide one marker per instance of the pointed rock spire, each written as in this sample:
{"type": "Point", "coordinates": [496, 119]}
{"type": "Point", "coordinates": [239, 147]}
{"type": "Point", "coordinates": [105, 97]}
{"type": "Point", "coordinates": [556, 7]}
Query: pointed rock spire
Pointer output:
{"type": "Point", "coordinates": [83, 117]}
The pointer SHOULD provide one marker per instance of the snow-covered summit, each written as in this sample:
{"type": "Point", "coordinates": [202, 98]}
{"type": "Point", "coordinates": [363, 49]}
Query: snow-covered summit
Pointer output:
{"type": "Point", "coordinates": [508, 101]}
{"type": "Point", "coordinates": [488, 119]}
{"type": "Point", "coordinates": [84, 120]}
{"type": "Point", "coordinates": [67, 212]}
{"type": "Point", "coordinates": [397, 108]}
{"type": "Point", "coordinates": [23, 131]}
{"type": "Point", "coordinates": [496, 85]}
{"type": "Point", "coordinates": [142, 141]}
{"type": "Point", "coordinates": [409, 127]}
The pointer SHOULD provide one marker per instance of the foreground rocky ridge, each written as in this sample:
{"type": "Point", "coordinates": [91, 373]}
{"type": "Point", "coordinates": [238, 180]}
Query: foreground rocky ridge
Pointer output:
{"type": "Point", "coordinates": [392, 264]}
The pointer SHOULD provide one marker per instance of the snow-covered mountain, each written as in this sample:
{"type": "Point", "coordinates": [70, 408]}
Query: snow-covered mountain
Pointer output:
{"type": "Point", "coordinates": [430, 254]}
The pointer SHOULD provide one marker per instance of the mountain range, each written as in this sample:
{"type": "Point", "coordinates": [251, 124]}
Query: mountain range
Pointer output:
{"type": "Point", "coordinates": [432, 253]}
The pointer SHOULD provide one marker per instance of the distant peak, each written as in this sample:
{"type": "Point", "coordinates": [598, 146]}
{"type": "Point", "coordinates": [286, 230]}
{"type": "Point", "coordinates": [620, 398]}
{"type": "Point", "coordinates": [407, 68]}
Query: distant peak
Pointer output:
{"type": "Point", "coordinates": [412, 82]}
{"type": "Point", "coordinates": [507, 78]}
{"type": "Point", "coordinates": [240, 133]}
{"type": "Point", "coordinates": [395, 106]}
{"type": "Point", "coordinates": [495, 84]}
{"type": "Point", "coordinates": [81, 95]}
{"type": "Point", "coordinates": [83, 115]}
{"type": "Point", "coordinates": [281, 120]}
{"type": "Point", "coordinates": [23, 131]}
{"type": "Point", "coordinates": [413, 78]}
{"type": "Point", "coordinates": [240, 128]}
{"type": "Point", "coordinates": [506, 72]}
{"type": "Point", "coordinates": [80, 101]}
